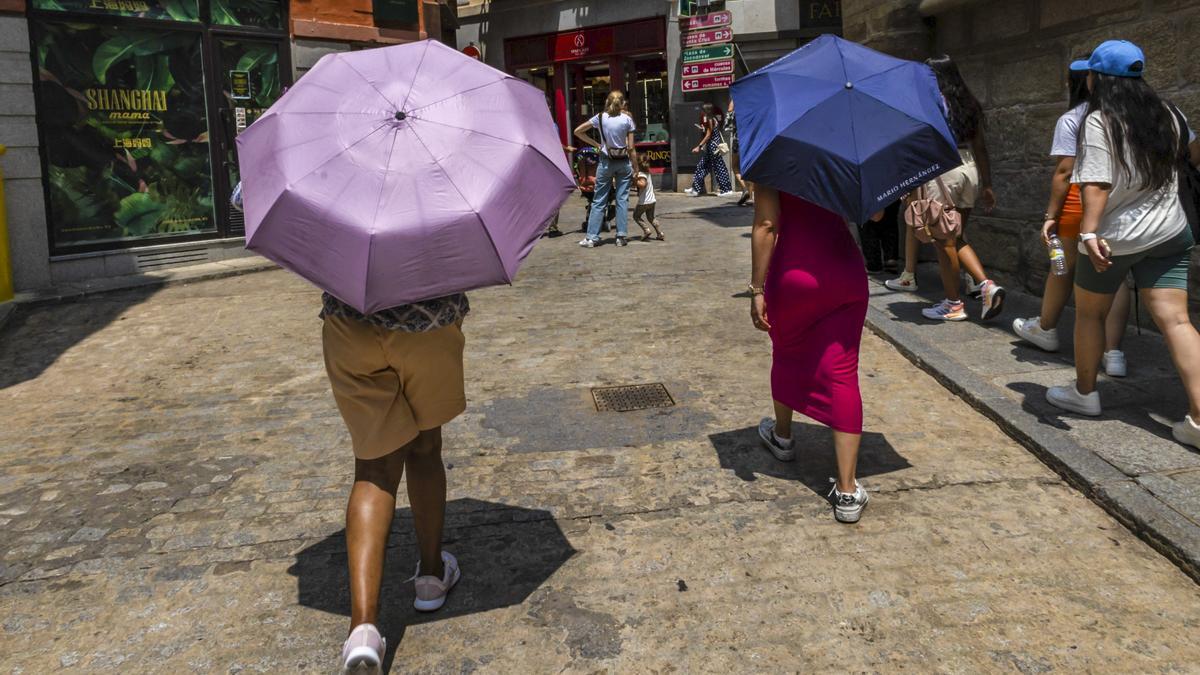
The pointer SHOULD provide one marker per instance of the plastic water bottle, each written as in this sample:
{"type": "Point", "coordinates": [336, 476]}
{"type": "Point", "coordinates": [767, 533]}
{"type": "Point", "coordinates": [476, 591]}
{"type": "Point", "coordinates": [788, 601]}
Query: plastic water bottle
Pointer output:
{"type": "Point", "coordinates": [1058, 257]}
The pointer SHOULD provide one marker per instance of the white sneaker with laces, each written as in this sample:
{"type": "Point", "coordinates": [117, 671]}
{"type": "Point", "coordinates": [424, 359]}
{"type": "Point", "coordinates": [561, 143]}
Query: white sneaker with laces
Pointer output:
{"type": "Point", "coordinates": [691, 193]}
{"type": "Point", "coordinates": [848, 506]}
{"type": "Point", "coordinates": [1114, 363]}
{"type": "Point", "coordinates": [992, 297]}
{"type": "Point", "coordinates": [1069, 399]}
{"type": "Point", "coordinates": [1187, 432]}
{"type": "Point", "coordinates": [729, 193]}
{"type": "Point", "coordinates": [783, 449]}
{"type": "Point", "coordinates": [432, 591]}
{"type": "Point", "coordinates": [906, 283]}
{"type": "Point", "coordinates": [363, 651]}
{"type": "Point", "coordinates": [973, 289]}
{"type": "Point", "coordinates": [587, 243]}
{"type": "Point", "coordinates": [1031, 331]}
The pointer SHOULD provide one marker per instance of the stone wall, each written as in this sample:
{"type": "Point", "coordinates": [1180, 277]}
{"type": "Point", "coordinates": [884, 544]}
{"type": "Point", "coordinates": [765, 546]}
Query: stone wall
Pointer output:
{"type": "Point", "coordinates": [1014, 55]}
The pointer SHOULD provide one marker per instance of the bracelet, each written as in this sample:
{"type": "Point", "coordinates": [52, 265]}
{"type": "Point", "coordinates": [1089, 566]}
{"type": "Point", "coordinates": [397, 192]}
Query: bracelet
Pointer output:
{"type": "Point", "coordinates": [1087, 236]}
{"type": "Point", "coordinates": [755, 290]}
{"type": "Point", "coordinates": [1047, 216]}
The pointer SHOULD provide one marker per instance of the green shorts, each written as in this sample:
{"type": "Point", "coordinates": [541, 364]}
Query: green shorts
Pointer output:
{"type": "Point", "coordinates": [1163, 266]}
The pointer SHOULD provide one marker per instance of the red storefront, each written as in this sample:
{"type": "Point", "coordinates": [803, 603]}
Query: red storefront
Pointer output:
{"type": "Point", "coordinates": [577, 70]}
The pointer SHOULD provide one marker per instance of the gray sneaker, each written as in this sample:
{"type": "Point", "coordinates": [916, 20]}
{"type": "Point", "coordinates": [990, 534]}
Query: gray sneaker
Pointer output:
{"type": "Point", "coordinates": [848, 506]}
{"type": "Point", "coordinates": [784, 451]}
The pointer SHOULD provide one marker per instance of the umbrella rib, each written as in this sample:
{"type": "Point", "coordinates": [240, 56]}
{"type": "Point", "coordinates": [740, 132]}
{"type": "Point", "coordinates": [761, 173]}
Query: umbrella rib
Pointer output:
{"type": "Point", "coordinates": [383, 184]}
{"type": "Point", "coordinates": [456, 94]}
{"type": "Point", "coordinates": [481, 133]}
{"type": "Point", "coordinates": [326, 162]}
{"type": "Point", "coordinates": [416, 73]}
{"type": "Point", "coordinates": [364, 79]}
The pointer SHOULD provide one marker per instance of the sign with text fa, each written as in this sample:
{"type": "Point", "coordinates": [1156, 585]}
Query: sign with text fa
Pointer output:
{"type": "Point", "coordinates": [707, 83]}
{"type": "Point", "coordinates": [821, 14]}
{"type": "Point", "coordinates": [710, 68]}
{"type": "Point", "coordinates": [708, 37]}
{"type": "Point", "coordinates": [714, 20]}
{"type": "Point", "coordinates": [702, 54]}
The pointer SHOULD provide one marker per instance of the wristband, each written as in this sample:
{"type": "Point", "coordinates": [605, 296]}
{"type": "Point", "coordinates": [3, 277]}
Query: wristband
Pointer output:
{"type": "Point", "coordinates": [1087, 236]}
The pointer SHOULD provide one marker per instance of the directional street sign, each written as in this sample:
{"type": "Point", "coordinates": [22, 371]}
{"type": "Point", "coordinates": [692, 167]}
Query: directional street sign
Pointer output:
{"type": "Point", "coordinates": [714, 20]}
{"type": "Point", "coordinates": [710, 68]}
{"type": "Point", "coordinates": [708, 37]}
{"type": "Point", "coordinates": [707, 83]}
{"type": "Point", "coordinates": [702, 54]}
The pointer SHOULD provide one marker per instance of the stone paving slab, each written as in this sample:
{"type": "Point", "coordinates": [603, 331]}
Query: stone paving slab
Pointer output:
{"type": "Point", "coordinates": [1125, 459]}
{"type": "Point", "coordinates": [173, 477]}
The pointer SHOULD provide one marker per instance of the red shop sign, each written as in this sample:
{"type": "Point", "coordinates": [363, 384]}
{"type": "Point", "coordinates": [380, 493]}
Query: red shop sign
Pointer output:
{"type": "Point", "coordinates": [711, 68]}
{"type": "Point", "coordinates": [710, 20]}
{"type": "Point", "coordinates": [708, 37]}
{"type": "Point", "coordinates": [706, 83]}
{"type": "Point", "coordinates": [568, 46]}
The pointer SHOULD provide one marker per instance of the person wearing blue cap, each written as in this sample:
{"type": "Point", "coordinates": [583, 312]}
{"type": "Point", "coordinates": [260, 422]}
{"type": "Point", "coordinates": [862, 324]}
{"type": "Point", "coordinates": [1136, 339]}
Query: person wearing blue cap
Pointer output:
{"type": "Point", "coordinates": [1133, 221]}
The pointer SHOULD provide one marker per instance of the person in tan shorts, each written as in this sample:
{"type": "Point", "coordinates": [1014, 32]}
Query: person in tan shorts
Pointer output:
{"type": "Point", "coordinates": [397, 378]}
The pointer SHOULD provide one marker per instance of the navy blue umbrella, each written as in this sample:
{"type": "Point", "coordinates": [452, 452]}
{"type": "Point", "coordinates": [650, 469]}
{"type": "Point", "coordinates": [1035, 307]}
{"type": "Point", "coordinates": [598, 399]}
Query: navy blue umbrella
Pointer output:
{"type": "Point", "coordinates": [843, 126]}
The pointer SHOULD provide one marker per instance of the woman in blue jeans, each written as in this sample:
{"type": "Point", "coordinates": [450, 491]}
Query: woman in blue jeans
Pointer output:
{"type": "Point", "coordinates": [617, 159]}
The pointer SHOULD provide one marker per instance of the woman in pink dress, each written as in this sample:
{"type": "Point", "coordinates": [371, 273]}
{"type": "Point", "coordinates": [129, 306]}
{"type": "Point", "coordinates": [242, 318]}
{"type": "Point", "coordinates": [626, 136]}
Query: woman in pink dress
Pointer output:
{"type": "Point", "coordinates": [809, 291]}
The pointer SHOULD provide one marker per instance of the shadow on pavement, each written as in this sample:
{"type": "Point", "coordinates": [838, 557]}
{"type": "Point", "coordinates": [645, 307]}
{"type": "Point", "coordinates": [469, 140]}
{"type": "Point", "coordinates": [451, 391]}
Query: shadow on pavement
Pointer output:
{"type": "Point", "coordinates": [741, 451]}
{"type": "Point", "coordinates": [506, 553]}
{"type": "Point", "coordinates": [36, 337]}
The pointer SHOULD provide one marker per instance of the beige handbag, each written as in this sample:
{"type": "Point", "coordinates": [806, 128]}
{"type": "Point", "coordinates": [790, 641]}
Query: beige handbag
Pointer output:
{"type": "Point", "coordinates": [930, 219]}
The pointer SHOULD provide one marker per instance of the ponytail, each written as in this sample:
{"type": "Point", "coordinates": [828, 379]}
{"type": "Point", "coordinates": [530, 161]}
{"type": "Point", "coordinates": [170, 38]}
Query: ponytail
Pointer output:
{"type": "Point", "coordinates": [614, 104]}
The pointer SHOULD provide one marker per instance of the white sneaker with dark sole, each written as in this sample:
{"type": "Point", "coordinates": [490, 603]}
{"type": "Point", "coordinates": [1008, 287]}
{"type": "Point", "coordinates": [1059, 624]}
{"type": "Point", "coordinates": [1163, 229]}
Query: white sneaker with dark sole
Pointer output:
{"type": "Point", "coordinates": [1069, 399]}
{"type": "Point", "coordinates": [848, 506]}
{"type": "Point", "coordinates": [432, 591]}
{"type": "Point", "coordinates": [784, 451]}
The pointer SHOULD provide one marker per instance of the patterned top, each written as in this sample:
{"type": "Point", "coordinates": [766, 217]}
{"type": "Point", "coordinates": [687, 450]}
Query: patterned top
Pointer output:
{"type": "Point", "coordinates": [419, 317]}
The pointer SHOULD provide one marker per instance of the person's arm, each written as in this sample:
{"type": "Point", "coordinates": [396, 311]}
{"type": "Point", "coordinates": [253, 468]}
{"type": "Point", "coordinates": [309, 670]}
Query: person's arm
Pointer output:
{"type": "Point", "coordinates": [629, 143]}
{"type": "Point", "coordinates": [762, 244]}
{"type": "Point", "coordinates": [1095, 200]}
{"type": "Point", "coordinates": [1194, 152]}
{"type": "Point", "coordinates": [581, 132]}
{"type": "Point", "coordinates": [707, 135]}
{"type": "Point", "coordinates": [984, 163]}
{"type": "Point", "coordinates": [1060, 185]}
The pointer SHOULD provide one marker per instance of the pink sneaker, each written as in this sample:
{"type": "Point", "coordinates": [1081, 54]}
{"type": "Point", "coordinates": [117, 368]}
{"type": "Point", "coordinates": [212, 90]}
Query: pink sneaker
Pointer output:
{"type": "Point", "coordinates": [363, 651]}
{"type": "Point", "coordinates": [432, 591]}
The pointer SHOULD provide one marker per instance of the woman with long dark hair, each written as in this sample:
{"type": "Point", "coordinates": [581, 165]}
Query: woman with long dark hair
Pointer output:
{"type": "Point", "coordinates": [1133, 221]}
{"type": "Point", "coordinates": [967, 184]}
{"type": "Point", "coordinates": [711, 121]}
{"type": "Point", "coordinates": [1063, 215]}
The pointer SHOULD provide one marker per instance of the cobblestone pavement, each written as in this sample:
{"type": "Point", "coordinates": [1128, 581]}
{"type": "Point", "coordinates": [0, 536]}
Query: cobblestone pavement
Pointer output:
{"type": "Point", "coordinates": [173, 474]}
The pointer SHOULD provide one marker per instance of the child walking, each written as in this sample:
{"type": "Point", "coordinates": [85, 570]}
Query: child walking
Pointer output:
{"type": "Point", "coordinates": [646, 202]}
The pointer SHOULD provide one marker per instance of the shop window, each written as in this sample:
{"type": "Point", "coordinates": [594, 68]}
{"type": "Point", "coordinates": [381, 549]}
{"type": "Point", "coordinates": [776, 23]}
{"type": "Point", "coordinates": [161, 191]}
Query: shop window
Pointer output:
{"type": "Point", "coordinates": [174, 10]}
{"type": "Point", "coordinates": [125, 130]}
{"type": "Point", "coordinates": [647, 82]}
{"type": "Point", "coordinates": [256, 13]}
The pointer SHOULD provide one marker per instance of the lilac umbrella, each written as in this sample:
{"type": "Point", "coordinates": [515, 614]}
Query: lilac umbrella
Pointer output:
{"type": "Point", "coordinates": [400, 174]}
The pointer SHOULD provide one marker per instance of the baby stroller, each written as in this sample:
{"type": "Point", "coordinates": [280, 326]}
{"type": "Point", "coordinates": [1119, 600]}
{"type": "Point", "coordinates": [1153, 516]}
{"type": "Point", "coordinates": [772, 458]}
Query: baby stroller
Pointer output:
{"type": "Point", "coordinates": [587, 160]}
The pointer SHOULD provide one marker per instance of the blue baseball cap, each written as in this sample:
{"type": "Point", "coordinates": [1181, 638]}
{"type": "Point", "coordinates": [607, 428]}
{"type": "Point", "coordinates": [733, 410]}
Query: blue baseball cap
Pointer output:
{"type": "Point", "coordinates": [1119, 58]}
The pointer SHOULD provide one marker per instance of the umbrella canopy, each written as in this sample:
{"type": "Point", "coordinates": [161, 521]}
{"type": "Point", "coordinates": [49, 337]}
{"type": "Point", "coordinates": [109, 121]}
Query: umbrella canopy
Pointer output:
{"type": "Point", "coordinates": [400, 174]}
{"type": "Point", "coordinates": [843, 126]}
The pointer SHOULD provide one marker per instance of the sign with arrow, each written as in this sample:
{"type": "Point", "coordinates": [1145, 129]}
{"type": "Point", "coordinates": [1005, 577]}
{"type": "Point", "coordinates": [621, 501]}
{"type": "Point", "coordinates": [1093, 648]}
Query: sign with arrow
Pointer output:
{"type": "Point", "coordinates": [702, 54]}
{"type": "Point", "coordinates": [709, 68]}
{"type": "Point", "coordinates": [714, 20]}
{"type": "Point", "coordinates": [708, 82]}
{"type": "Point", "coordinates": [708, 37]}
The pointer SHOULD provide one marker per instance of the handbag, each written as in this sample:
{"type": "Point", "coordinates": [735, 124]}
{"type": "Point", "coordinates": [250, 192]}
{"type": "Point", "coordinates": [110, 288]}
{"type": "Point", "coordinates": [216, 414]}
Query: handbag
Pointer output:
{"type": "Point", "coordinates": [1189, 178]}
{"type": "Point", "coordinates": [930, 219]}
{"type": "Point", "coordinates": [613, 153]}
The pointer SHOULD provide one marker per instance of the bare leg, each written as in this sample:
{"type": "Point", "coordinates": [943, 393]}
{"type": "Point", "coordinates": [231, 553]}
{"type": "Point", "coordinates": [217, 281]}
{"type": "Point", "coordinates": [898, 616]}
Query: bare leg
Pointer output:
{"type": "Point", "coordinates": [1090, 312]}
{"type": "Point", "coordinates": [1058, 289]}
{"type": "Point", "coordinates": [1118, 319]}
{"type": "Point", "coordinates": [368, 521]}
{"type": "Point", "coordinates": [970, 262]}
{"type": "Point", "coordinates": [1168, 306]}
{"type": "Point", "coordinates": [846, 445]}
{"type": "Point", "coordinates": [427, 498]}
{"type": "Point", "coordinates": [949, 269]}
{"type": "Point", "coordinates": [783, 421]}
{"type": "Point", "coordinates": [911, 251]}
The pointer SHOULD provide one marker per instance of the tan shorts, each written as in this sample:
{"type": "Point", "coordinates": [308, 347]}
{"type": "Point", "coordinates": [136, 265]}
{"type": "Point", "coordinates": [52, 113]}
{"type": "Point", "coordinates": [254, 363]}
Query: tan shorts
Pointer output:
{"type": "Point", "coordinates": [961, 182]}
{"type": "Point", "coordinates": [389, 385]}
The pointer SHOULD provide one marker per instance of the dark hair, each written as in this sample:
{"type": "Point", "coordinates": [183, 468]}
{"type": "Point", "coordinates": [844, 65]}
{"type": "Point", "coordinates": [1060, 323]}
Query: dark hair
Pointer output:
{"type": "Point", "coordinates": [966, 114]}
{"type": "Point", "coordinates": [1077, 88]}
{"type": "Point", "coordinates": [1140, 126]}
{"type": "Point", "coordinates": [710, 112]}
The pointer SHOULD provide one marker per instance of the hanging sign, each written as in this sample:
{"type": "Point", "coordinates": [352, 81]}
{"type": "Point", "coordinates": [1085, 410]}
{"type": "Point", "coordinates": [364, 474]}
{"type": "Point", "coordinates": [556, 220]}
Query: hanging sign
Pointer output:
{"type": "Point", "coordinates": [708, 37]}
{"type": "Point", "coordinates": [239, 85]}
{"type": "Point", "coordinates": [714, 20]}
{"type": "Point", "coordinates": [707, 83]}
{"type": "Point", "coordinates": [702, 54]}
{"type": "Point", "coordinates": [710, 68]}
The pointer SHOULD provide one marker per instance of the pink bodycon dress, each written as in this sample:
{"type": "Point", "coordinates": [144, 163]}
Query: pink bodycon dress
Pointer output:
{"type": "Point", "coordinates": [816, 296]}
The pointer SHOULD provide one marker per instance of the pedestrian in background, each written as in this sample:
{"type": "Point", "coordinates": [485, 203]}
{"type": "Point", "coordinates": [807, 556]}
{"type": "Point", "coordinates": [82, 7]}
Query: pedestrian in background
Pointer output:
{"type": "Point", "coordinates": [736, 155]}
{"type": "Point", "coordinates": [709, 150]}
{"type": "Point", "coordinates": [880, 241]}
{"type": "Point", "coordinates": [809, 292]}
{"type": "Point", "coordinates": [1133, 221]}
{"type": "Point", "coordinates": [643, 213]}
{"type": "Point", "coordinates": [1063, 215]}
{"type": "Point", "coordinates": [967, 184]}
{"type": "Point", "coordinates": [617, 159]}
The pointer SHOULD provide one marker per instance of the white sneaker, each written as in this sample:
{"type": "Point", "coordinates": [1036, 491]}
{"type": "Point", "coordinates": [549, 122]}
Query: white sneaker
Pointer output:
{"type": "Point", "coordinates": [1187, 432]}
{"type": "Point", "coordinates": [1069, 398]}
{"type": "Point", "coordinates": [973, 289]}
{"type": "Point", "coordinates": [906, 283]}
{"type": "Point", "coordinates": [946, 311]}
{"type": "Point", "coordinates": [992, 297]}
{"type": "Point", "coordinates": [432, 591]}
{"type": "Point", "coordinates": [729, 193]}
{"type": "Point", "coordinates": [783, 449]}
{"type": "Point", "coordinates": [587, 243]}
{"type": "Point", "coordinates": [848, 506]}
{"type": "Point", "coordinates": [1114, 363]}
{"type": "Point", "coordinates": [691, 193]}
{"type": "Point", "coordinates": [1031, 331]}
{"type": "Point", "coordinates": [363, 651]}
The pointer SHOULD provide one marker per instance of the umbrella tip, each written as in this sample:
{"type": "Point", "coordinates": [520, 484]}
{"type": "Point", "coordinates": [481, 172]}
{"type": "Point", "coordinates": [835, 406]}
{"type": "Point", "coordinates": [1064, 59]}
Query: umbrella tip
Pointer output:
{"type": "Point", "coordinates": [849, 85]}
{"type": "Point", "coordinates": [401, 116]}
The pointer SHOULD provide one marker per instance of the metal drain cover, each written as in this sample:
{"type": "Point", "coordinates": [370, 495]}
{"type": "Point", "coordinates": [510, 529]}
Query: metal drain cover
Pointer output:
{"type": "Point", "coordinates": [632, 397]}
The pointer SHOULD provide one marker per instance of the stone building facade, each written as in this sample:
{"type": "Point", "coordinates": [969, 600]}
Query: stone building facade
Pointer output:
{"type": "Point", "coordinates": [1014, 55]}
